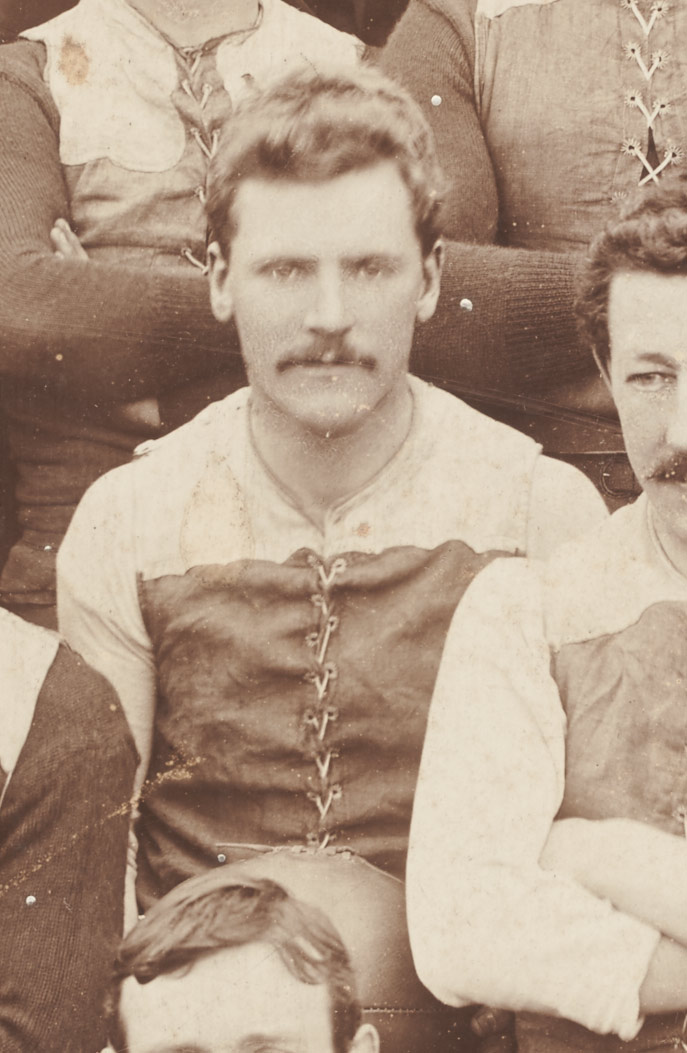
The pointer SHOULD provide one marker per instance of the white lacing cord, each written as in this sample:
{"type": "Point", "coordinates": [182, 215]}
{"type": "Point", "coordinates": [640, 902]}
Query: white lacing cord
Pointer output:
{"type": "Point", "coordinates": [651, 110]}
{"type": "Point", "coordinates": [210, 150]}
{"type": "Point", "coordinates": [317, 720]}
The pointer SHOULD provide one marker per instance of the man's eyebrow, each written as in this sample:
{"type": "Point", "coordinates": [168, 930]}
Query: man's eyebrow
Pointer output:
{"type": "Point", "coordinates": [257, 1041]}
{"type": "Point", "coordinates": [653, 358]}
{"type": "Point", "coordinates": [374, 257]}
{"type": "Point", "coordinates": [384, 262]}
{"type": "Point", "coordinates": [182, 1047]}
{"type": "Point", "coordinates": [281, 259]}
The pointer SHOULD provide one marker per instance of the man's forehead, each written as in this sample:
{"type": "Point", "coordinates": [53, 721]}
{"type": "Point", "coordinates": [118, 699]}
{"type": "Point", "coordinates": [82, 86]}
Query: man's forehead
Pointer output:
{"type": "Point", "coordinates": [286, 216]}
{"type": "Point", "coordinates": [645, 290]}
{"type": "Point", "coordinates": [222, 1002]}
{"type": "Point", "coordinates": [647, 313]}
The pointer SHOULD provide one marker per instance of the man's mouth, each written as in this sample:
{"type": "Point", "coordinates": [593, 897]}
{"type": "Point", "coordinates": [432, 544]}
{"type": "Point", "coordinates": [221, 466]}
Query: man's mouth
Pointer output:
{"type": "Point", "coordinates": [326, 360]}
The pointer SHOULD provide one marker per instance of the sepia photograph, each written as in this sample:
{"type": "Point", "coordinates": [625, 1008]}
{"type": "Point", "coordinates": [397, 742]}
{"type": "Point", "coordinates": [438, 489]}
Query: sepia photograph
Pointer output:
{"type": "Point", "coordinates": [343, 526]}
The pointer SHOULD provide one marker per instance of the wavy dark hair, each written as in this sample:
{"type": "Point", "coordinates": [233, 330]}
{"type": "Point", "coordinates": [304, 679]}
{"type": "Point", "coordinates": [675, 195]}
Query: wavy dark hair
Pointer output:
{"type": "Point", "coordinates": [649, 234]}
{"type": "Point", "coordinates": [312, 127]}
{"type": "Point", "coordinates": [212, 912]}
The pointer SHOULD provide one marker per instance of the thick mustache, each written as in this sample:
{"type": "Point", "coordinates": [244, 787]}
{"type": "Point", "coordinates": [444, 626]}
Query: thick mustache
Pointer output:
{"type": "Point", "coordinates": [670, 469]}
{"type": "Point", "coordinates": [326, 352]}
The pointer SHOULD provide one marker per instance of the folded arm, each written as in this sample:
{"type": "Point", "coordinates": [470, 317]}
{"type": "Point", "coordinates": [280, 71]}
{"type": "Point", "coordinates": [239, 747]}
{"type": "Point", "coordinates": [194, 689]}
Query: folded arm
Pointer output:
{"type": "Point", "coordinates": [487, 922]}
{"type": "Point", "coordinates": [641, 870]}
{"type": "Point", "coordinates": [94, 331]}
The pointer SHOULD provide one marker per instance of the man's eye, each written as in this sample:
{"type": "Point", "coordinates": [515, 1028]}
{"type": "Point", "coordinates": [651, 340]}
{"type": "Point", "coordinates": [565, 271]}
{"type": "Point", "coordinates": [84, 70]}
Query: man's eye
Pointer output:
{"type": "Point", "coordinates": [284, 272]}
{"type": "Point", "coordinates": [651, 381]}
{"type": "Point", "coordinates": [370, 269]}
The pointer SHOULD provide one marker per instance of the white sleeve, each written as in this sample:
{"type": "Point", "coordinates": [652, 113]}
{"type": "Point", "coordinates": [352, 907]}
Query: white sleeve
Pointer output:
{"type": "Point", "coordinates": [97, 601]}
{"type": "Point", "coordinates": [487, 924]}
{"type": "Point", "coordinates": [100, 617]}
{"type": "Point", "coordinates": [564, 504]}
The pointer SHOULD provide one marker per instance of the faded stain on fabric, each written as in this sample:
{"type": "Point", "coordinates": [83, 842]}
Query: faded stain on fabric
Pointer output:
{"type": "Point", "coordinates": [74, 63]}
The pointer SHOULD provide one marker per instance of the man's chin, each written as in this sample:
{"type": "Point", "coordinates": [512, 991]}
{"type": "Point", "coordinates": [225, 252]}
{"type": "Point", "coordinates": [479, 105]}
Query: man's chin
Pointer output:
{"type": "Point", "coordinates": [330, 413]}
{"type": "Point", "coordinates": [334, 426]}
{"type": "Point", "coordinates": [668, 496]}
{"type": "Point", "coordinates": [669, 504]}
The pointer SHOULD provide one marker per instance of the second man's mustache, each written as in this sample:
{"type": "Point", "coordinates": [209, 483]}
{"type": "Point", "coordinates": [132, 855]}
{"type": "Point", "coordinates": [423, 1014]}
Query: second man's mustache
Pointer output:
{"type": "Point", "coordinates": [672, 469]}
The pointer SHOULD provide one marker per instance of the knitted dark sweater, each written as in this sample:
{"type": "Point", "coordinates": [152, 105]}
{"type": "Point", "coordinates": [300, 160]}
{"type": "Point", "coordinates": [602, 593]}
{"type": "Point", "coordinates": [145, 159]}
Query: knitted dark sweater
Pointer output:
{"type": "Point", "coordinates": [520, 337]}
{"type": "Point", "coordinates": [63, 837]}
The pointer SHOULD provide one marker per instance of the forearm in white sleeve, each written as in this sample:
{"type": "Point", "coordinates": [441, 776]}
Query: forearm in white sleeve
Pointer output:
{"type": "Point", "coordinates": [487, 923]}
{"type": "Point", "coordinates": [97, 602]}
{"type": "Point", "coordinates": [640, 869]}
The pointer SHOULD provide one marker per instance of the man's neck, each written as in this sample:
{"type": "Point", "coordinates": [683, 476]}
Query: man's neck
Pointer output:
{"type": "Point", "coordinates": [320, 472]}
{"type": "Point", "coordinates": [190, 23]}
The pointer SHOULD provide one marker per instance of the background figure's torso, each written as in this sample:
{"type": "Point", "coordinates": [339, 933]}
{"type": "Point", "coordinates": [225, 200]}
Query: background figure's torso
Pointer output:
{"type": "Point", "coordinates": [581, 102]}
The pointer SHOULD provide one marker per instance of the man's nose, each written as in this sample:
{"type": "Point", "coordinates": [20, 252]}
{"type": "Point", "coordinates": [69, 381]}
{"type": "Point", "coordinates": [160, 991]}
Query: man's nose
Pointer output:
{"type": "Point", "coordinates": [329, 312]}
{"type": "Point", "coordinates": [676, 425]}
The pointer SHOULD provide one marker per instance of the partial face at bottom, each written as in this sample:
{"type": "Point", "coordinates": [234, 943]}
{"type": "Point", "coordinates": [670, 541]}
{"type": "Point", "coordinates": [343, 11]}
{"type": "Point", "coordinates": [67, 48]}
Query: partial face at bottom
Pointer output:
{"type": "Point", "coordinates": [647, 316]}
{"type": "Point", "coordinates": [237, 1000]}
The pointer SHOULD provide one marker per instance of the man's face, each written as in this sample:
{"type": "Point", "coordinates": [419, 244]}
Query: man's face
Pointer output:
{"type": "Point", "coordinates": [647, 321]}
{"type": "Point", "coordinates": [326, 281]}
{"type": "Point", "coordinates": [237, 1000]}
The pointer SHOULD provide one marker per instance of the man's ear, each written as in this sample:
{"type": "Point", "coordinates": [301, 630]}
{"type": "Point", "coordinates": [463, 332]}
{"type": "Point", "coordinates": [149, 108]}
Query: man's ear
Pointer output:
{"type": "Point", "coordinates": [431, 271]}
{"type": "Point", "coordinates": [220, 295]}
{"type": "Point", "coordinates": [366, 1040]}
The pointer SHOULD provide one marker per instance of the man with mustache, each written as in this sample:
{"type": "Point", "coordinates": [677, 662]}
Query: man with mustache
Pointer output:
{"type": "Point", "coordinates": [567, 681]}
{"type": "Point", "coordinates": [269, 587]}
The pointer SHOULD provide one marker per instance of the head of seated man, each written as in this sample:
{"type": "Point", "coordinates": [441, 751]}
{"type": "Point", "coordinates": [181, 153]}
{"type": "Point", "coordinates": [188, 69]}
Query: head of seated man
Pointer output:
{"type": "Point", "coordinates": [324, 199]}
{"type": "Point", "coordinates": [633, 305]}
{"type": "Point", "coordinates": [222, 967]}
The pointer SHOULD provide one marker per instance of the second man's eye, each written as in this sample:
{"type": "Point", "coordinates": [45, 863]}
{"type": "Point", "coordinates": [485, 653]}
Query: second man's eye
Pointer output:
{"type": "Point", "coordinates": [652, 381]}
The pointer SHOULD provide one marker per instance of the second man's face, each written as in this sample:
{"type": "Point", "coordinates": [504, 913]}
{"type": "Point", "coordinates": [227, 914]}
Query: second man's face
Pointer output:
{"type": "Point", "coordinates": [325, 282]}
{"type": "Point", "coordinates": [647, 318]}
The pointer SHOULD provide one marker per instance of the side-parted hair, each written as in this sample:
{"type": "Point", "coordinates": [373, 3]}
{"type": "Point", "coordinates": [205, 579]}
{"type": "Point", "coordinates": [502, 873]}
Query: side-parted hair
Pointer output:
{"type": "Point", "coordinates": [311, 127]}
{"type": "Point", "coordinates": [650, 234]}
{"type": "Point", "coordinates": [214, 911]}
